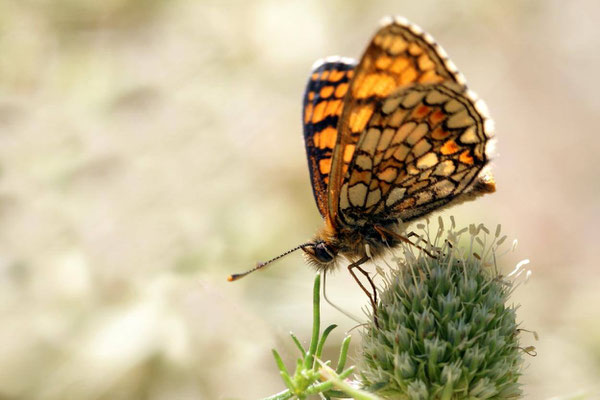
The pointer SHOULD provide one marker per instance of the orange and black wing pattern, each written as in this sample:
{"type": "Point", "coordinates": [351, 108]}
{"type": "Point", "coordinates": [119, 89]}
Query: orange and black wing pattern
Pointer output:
{"type": "Point", "coordinates": [322, 107]}
{"type": "Point", "coordinates": [417, 136]}
{"type": "Point", "coordinates": [399, 55]}
{"type": "Point", "coordinates": [424, 147]}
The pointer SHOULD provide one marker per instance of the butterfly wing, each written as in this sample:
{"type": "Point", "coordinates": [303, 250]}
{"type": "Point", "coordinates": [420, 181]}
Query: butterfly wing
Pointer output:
{"type": "Point", "coordinates": [322, 108]}
{"type": "Point", "coordinates": [424, 147]}
{"type": "Point", "coordinates": [399, 55]}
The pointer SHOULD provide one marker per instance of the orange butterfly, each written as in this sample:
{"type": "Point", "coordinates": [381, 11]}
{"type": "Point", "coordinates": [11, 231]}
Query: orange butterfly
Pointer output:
{"type": "Point", "coordinates": [388, 140]}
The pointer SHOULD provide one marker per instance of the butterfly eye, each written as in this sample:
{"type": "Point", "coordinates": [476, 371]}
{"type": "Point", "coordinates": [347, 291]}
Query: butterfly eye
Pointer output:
{"type": "Point", "coordinates": [324, 253]}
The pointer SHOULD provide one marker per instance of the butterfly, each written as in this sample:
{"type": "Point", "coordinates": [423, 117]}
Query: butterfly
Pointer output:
{"type": "Point", "coordinates": [389, 139]}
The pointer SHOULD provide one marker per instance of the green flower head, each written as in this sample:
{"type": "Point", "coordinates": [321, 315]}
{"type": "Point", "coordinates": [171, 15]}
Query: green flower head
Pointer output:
{"type": "Point", "coordinates": [445, 329]}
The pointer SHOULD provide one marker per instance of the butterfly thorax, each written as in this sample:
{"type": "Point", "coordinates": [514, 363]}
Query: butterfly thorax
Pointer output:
{"type": "Point", "coordinates": [352, 243]}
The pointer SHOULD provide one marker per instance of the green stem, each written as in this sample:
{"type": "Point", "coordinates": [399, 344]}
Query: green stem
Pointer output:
{"type": "Point", "coordinates": [326, 386]}
{"type": "Point", "coordinates": [333, 378]}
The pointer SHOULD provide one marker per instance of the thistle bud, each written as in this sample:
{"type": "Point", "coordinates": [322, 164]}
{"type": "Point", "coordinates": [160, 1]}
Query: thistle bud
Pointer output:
{"type": "Point", "coordinates": [445, 330]}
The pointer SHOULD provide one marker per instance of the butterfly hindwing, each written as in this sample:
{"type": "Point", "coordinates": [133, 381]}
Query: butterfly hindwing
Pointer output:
{"type": "Point", "coordinates": [424, 146]}
{"type": "Point", "coordinates": [322, 107]}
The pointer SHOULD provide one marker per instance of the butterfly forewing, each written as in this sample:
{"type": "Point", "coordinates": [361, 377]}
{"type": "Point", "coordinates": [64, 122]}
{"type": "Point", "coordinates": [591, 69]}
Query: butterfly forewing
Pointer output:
{"type": "Point", "coordinates": [399, 55]}
{"type": "Point", "coordinates": [322, 107]}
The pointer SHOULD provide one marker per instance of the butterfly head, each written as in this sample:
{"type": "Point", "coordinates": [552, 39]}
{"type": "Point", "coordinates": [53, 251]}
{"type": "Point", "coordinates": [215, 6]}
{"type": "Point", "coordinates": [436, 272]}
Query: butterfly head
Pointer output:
{"type": "Point", "coordinates": [321, 254]}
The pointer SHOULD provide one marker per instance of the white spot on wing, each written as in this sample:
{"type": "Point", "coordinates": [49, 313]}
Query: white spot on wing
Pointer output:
{"type": "Point", "coordinates": [440, 51]}
{"type": "Point", "coordinates": [482, 108]}
{"type": "Point", "coordinates": [428, 38]}
{"type": "Point", "coordinates": [490, 148]}
{"type": "Point", "coordinates": [400, 20]}
{"type": "Point", "coordinates": [460, 78]}
{"type": "Point", "coordinates": [416, 29]}
{"type": "Point", "coordinates": [451, 66]}
{"type": "Point", "coordinates": [471, 95]}
{"type": "Point", "coordinates": [333, 59]}
{"type": "Point", "coordinates": [489, 127]}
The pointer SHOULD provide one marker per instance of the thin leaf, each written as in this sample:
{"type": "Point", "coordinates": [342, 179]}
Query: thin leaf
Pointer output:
{"type": "Point", "coordinates": [326, 333]}
{"type": "Point", "coordinates": [298, 344]}
{"type": "Point", "coordinates": [343, 354]}
{"type": "Point", "coordinates": [285, 375]}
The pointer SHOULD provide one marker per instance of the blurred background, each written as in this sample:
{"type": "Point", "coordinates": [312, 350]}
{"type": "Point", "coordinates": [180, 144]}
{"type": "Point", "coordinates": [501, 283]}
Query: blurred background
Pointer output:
{"type": "Point", "coordinates": [148, 149]}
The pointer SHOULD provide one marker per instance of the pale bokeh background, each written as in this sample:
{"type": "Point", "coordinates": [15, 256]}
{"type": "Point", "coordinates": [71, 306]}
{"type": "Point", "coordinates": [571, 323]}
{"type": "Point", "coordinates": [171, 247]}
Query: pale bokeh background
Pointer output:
{"type": "Point", "coordinates": [148, 149]}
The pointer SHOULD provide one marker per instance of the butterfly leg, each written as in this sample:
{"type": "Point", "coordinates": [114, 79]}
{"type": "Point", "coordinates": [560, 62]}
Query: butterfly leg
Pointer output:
{"type": "Point", "coordinates": [412, 234]}
{"type": "Point", "coordinates": [439, 250]}
{"type": "Point", "coordinates": [372, 297]}
{"type": "Point", "coordinates": [384, 231]}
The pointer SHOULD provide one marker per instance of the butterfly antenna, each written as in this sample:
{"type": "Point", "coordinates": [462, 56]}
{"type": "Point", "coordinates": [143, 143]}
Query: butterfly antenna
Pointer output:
{"type": "Point", "coordinates": [260, 265]}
